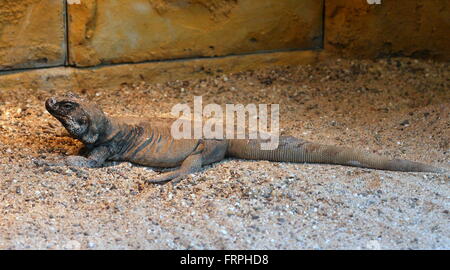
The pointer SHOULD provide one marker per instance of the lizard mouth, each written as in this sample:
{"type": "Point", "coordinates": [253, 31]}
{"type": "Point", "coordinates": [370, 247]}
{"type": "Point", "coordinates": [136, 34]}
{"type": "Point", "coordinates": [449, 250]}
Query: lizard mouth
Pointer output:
{"type": "Point", "coordinates": [53, 108]}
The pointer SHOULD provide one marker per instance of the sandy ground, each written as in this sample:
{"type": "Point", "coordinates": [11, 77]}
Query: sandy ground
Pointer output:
{"type": "Point", "coordinates": [398, 107]}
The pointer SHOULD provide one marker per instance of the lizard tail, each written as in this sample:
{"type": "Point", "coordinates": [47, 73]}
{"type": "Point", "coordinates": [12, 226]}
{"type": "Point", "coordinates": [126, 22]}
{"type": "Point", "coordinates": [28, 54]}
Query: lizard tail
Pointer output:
{"type": "Point", "coordinates": [291, 149]}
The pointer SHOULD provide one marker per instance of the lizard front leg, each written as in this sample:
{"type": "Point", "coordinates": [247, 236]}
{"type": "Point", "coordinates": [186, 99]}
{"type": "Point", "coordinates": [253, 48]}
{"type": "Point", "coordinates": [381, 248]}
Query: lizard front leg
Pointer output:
{"type": "Point", "coordinates": [95, 158]}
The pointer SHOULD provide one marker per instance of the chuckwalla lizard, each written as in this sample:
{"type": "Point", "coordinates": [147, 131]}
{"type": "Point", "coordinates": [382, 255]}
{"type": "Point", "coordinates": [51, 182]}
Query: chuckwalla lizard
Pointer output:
{"type": "Point", "coordinates": [149, 142]}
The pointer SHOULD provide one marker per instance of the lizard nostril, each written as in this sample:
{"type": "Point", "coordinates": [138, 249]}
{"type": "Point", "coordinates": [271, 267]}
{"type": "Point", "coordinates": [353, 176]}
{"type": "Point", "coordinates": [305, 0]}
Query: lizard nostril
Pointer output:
{"type": "Point", "coordinates": [50, 102]}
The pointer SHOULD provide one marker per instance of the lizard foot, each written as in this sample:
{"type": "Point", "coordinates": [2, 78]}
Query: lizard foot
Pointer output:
{"type": "Point", "coordinates": [47, 163]}
{"type": "Point", "coordinates": [174, 181]}
{"type": "Point", "coordinates": [172, 177]}
{"type": "Point", "coordinates": [73, 161]}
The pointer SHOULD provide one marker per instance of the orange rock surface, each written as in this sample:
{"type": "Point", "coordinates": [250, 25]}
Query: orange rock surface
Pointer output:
{"type": "Point", "coordinates": [140, 30]}
{"type": "Point", "coordinates": [31, 33]}
{"type": "Point", "coordinates": [418, 28]}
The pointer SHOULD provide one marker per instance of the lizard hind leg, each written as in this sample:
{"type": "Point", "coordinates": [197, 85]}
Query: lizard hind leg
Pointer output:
{"type": "Point", "coordinates": [191, 164]}
{"type": "Point", "coordinates": [206, 152]}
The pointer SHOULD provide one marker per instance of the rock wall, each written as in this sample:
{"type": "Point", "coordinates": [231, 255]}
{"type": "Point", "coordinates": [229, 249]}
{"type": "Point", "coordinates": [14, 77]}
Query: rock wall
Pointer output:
{"type": "Point", "coordinates": [34, 33]}
{"type": "Point", "coordinates": [31, 33]}
{"type": "Point", "coordinates": [108, 31]}
{"type": "Point", "coordinates": [416, 28]}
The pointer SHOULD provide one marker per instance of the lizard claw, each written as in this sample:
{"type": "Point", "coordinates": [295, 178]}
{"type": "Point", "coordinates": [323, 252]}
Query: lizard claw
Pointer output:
{"type": "Point", "coordinates": [156, 181]}
{"type": "Point", "coordinates": [173, 182]}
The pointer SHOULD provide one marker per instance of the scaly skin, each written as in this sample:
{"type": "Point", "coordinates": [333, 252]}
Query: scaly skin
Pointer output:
{"type": "Point", "coordinates": [149, 142]}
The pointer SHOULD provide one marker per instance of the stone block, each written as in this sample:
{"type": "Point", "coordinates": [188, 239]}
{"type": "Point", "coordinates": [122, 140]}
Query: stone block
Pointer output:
{"type": "Point", "coordinates": [419, 28]}
{"type": "Point", "coordinates": [111, 31]}
{"type": "Point", "coordinates": [32, 33]}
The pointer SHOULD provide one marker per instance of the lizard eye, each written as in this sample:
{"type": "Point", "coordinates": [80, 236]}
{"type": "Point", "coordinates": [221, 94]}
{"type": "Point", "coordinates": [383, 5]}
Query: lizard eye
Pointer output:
{"type": "Point", "coordinates": [67, 106]}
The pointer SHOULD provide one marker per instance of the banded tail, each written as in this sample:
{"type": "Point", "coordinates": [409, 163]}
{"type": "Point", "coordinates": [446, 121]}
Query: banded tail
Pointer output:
{"type": "Point", "coordinates": [291, 149]}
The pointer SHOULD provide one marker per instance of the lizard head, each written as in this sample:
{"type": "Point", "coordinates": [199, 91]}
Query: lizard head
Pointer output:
{"type": "Point", "coordinates": [84, 120]}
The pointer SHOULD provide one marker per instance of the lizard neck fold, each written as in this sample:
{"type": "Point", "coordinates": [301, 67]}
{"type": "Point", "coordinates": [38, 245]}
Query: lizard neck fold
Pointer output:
{"type": "Point", "coordinates": [99, 129]}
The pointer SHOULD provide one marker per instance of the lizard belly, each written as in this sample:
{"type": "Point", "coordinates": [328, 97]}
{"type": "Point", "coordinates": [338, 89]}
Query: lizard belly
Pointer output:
{"type": "Point", "coordinates": [161, 152]}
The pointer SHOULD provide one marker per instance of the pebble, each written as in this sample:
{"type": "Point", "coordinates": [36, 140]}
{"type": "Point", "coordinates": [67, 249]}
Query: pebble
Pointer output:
{"type": "Point", "coordinates": [374, 245]}
{"type": "Point", "coordinates": [72, 245]}
{"type": "Point", "coordinates": [405, 123]}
